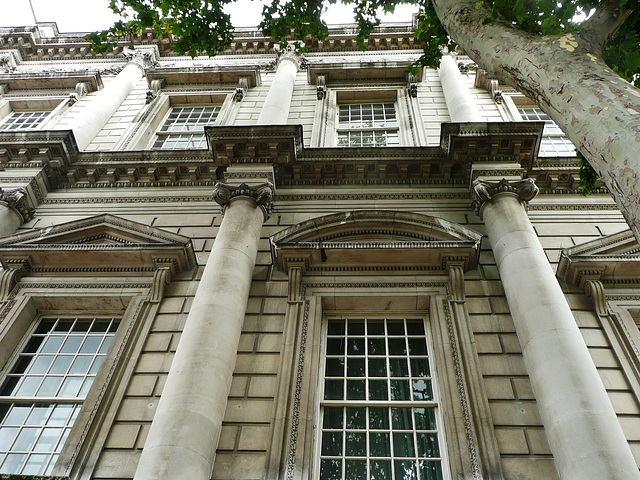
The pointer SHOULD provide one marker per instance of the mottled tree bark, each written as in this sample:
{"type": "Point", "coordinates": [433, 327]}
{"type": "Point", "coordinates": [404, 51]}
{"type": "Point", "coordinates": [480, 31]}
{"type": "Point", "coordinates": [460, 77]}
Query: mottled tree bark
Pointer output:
{"type": "Point", "coordinates": [566, 76]}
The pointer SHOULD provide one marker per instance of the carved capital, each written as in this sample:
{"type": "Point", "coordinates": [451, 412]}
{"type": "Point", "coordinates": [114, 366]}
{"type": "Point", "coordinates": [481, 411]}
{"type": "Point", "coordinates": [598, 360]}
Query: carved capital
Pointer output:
{"type": "Point", "coordinates": [262, 194]}
{"type": "Point", "coordinates": [143, 57]}
{"type": "Point", "coordinates": [483, 191]}
{"type": "Point", "coordinates": [291, 52]}
{"type": "Point", "coordinates": [16, 199]}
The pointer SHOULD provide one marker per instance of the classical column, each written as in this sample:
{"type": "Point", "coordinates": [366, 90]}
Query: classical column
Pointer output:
{"type": "Point", "coordinates": [186, 427]}
{"type": "Point", "coordinates": [581, 426]}
{"type": "Point", "coordinates": [276, 106]}
{"type": "Point", "coordinates": [462, 107]}
{"type": "Point", "coordinates": [14, 211]}
{"type": "Point", "coordinates": [96, 110]}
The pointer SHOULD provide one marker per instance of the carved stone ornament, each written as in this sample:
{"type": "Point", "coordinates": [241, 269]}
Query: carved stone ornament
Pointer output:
{"type": "Point", "coordinates": [412, 86]}
{"type": "Point", "coordinates": [17, 200]}
{"type": "Point", "coordinates": [243, 86]}
{"type": "Point", "coordinates": [483, 191]}
{"type": "Point", "coordinates": [223, 194]}
{"type": "Point", "coordinates": [321, 88]}
{"type": "Point", "coordinates": [290, 52]}
{"type": "Point", "coordinates": [7, 62]}
{"type": "Point", "coordinates": [145, 58]}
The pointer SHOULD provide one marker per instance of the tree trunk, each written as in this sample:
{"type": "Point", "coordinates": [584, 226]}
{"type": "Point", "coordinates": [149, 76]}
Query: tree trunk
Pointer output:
{"type": "Point", "coordinates": [597, 109]}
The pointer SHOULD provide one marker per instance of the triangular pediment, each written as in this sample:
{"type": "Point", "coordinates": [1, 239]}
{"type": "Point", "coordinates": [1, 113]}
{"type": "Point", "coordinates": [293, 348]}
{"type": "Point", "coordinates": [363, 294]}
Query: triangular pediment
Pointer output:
{"type": "Point", "coordinates": [369, 240]}
{"type": "Point", "coordinates": [610, 259]}
{"type": "Point", "coordinates": [103, 243]}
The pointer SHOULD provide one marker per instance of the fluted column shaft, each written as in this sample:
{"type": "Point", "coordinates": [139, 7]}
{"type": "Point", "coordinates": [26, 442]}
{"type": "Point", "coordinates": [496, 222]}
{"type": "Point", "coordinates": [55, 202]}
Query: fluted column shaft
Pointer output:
{"type": "Point", "coordinates": [581, 426]}
{"type": "Point", "coordinates": [462, 107]}
{"type": "Point", "coordinates": [186, 427]}
{"type": "Point", "coordinates": [95, 110]}
{"type": "Point", "coordinates": [276, 106]}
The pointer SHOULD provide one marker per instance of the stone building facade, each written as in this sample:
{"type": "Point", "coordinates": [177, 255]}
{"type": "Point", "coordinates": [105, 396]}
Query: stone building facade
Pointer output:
{"type": "Point", "coordinates": [274, 265]}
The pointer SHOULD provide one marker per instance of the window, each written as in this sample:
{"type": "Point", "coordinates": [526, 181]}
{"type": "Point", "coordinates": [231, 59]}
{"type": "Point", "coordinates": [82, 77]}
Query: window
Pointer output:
{"type": "Point", "coordinates": [44, 390]}
{"type": "Point", "coordinates": [184, 128]}
{"type": "Point", "coordinates": [554, 141]}
{"type": "Point", "coordinates": [24, 120]}
{"type": "Point", "coordinates": [367, 125]}
{"type": "Point", "coordinates": [378, 412]}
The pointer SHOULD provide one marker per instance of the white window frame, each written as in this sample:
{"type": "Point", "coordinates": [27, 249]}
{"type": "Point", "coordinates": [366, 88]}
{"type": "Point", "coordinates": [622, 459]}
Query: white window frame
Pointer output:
{"type": "Point", "coordinates": [53, 106]}
{"type": "Point", "coordinates": [435, 403]}
{"type": "Point", "coordinates": [327, 126]}
{"type": "Point", "coordinates": [513, 105]}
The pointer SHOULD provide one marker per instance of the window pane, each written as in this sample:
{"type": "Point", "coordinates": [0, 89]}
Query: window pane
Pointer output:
{"type": "Point", "coordinates": [184, 127]}
{"type": "Point", "coordinates": [56, 370]}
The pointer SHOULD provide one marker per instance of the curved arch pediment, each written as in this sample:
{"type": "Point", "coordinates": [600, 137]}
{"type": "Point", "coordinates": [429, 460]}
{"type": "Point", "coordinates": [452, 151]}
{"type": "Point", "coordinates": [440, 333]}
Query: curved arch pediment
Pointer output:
{"type": "Point", "coordinates": [364, 240]}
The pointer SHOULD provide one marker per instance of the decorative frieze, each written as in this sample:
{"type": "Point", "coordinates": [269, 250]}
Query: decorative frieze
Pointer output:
{"type": "Point", "coordinates": [262, 194]}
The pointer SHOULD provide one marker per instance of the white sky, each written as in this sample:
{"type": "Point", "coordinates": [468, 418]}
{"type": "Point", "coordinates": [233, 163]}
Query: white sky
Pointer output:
{"type": "Point", "coordinates": [91, 15]}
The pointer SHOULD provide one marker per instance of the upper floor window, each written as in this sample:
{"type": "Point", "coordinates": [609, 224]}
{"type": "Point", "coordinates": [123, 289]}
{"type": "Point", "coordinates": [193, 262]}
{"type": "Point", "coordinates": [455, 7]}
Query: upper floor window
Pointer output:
{"type": "Point", "coordinates": [379, 413]}
{"type": "Point", "coordinates": [184, 128]}
{"type": "Point", "coordinates": [367, 125]}
{"type": "Point", "coordinates": [24, 120]}
{"type": "Point", "coordinates": [44, 390]}
{"type": "Point", "coordinates": [554, 142]}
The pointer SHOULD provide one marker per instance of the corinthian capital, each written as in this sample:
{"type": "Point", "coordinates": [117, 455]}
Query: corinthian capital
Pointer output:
{"type": "Point", "coordinates": [262, 194]}
{"type": "Point", "coordinates": [16, 199]}
{"type": "Point", "coordinates": [483, 191]}
{"type": "Point", "coordinates": [290, 52]}
{"type": "Point", "coordinates": [143, 57]}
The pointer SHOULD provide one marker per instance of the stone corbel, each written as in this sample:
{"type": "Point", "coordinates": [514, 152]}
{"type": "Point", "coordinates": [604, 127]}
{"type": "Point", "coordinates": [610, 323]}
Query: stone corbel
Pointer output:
{"type": "Point", "coordinates": [243, 86]}
{"type": "Point", "coordinates": [4, 89]}
{"type": "Point", "coordinates": [412, 86]}
{"type": "Point", "coordinates": [321, 86]}
{"type": "Point", "coordinates": [295, 283]}
{"type": "Point", "coordinates": [161, 278]}
{"type": "Point", "coordinates": [10, 277]}
{"type": "Point", "coordinates": [154, 90]}
{"type": "Point", "coordinates": [82, 88]}
{"type": "Point", "coordinates": [595, 290]}
{"type": "Point", "coordinates": [483, 191]}
{"type": "Point", "coordinates": [262, 194]}
{"type": "Point", "coordinates": [456, 280]}
{"type": "Point", "coordinates": [489, 84]}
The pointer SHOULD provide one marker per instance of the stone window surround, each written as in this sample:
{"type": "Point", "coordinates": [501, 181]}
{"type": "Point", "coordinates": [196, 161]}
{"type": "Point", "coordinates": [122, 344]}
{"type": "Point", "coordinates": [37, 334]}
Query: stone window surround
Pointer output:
{"type": "Point", "coordinates": [142, 133]}
{"type": "Point", "coordinates": [37, 297]}
{"type": "Point", "coordinates": [326, 118]}
{"type": "Point", "coordinates": [56, 106]}
{"type": "Point", "coordinates": [467, 421]}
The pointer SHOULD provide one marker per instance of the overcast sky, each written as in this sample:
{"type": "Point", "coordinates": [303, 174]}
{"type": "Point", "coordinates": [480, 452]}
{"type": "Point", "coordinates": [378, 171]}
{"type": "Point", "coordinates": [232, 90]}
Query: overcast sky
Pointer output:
{"type": "Point", "coordinates": [91, 15]}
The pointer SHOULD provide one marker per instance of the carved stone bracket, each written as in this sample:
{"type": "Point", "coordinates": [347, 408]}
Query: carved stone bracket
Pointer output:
{"type": "Point", "coordinates": [143, 57]}
{"type": "Point", "coordinates": [595, 290]}
{"type": "Point", "coordinates": [262, 194]}
{"type": "Point", "coordinates": [489, 84]}
{"type": "Point", "coordinates": [243, 86]}
{"type": "Point", "coordinates": [82, 88]}
{"type": "Point", "coordinates": [483, 191]}
{"type": "Point", "coordinates": [295, 283]}
{"type": "Point", "coordinates": [161, 278]}
{"type": "Point", "coordinates": [412, 86]}
{"type": "Point", "coordinates": [16, 199]}
{"type": "Point", "coordinates": [456, 278]}
{"type": "Point", "coordinates": [321, 88]}
{"type": "Point", "coordinates": [155, 87]}
{"type": "Point", "coordinates": [8, 280]}
{"type": "Point", "coordinates": [9, 60]}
